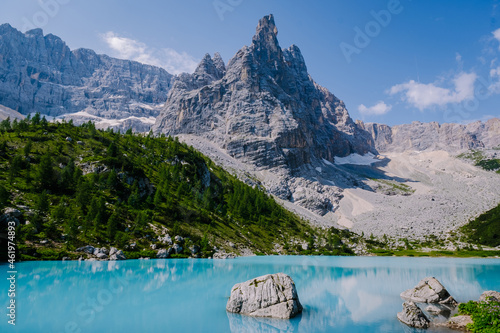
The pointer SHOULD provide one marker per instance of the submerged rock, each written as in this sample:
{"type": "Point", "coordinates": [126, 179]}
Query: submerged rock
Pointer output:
{"type": "Point", "coordinates": [413, 316]}
{"type": "Point", "coordinates": [429, 290]}
{"type": "Point", "coordinates": [272, 295]}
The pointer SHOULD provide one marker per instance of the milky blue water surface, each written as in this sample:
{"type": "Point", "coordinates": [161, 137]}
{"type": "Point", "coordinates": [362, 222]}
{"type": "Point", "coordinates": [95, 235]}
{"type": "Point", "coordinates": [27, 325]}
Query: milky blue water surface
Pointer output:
{"type": "Point", "coordinates": [339, 294]}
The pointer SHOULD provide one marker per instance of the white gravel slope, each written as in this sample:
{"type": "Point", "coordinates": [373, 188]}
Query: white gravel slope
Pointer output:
{"type": "Point", "coordinates": [448, 192]}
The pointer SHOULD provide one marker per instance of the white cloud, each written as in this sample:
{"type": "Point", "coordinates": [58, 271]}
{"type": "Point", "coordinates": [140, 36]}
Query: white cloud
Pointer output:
{"type": "Point", "coordinates": [378, 109]}
{"type": "Point", "coordinates": [496, 34]}
{"type": "Point", "coordinates": [173, 61]}
{"type": "Point", "coordinates": [422, 96]}
{"type": "Point", "coordinates": [494, 87]}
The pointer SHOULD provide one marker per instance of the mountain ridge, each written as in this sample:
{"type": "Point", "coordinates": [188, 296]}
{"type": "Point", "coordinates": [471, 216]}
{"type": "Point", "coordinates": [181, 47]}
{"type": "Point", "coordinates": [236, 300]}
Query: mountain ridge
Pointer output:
{"type": "Point", "coordinates": [420, 136]}
{"type": "Point", "coordinates": [39, 73]}
{"type": "Point", "coordinates": [266, 111]}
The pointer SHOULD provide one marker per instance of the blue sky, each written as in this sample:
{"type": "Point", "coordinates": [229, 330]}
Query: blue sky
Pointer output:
{"type": "Point", "coordinates": [390, 61]}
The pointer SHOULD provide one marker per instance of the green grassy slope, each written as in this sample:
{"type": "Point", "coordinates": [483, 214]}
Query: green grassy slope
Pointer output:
{"type": "Point", "coordinates": [77, 185]}
{"type": "Point", "coordinates": [485, 229]}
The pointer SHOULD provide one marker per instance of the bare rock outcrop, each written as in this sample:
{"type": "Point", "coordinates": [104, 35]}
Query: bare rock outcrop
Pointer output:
{"type": "Point", "coordinates": [490, 296]}
{"type": "Point", "coordinates": [457, 323]}
{"type": "Point", "coordinates": [264, 110]}
{"type": "Point", "coordinates": [429, 290]}
{"type": "Point", "coordinates": [413, 316]}
{"type": "Point", "coordinates": [272, 295]}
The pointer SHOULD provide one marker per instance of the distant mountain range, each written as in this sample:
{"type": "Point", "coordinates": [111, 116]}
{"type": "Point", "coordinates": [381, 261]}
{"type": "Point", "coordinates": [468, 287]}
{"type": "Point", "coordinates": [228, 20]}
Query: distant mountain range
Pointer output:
{"type": "Point", "coordinates": [261, 115]}
{"type": "Point", "coordinates": [41, 74]}
{"type": "Point", "coordinates": [433, 136]}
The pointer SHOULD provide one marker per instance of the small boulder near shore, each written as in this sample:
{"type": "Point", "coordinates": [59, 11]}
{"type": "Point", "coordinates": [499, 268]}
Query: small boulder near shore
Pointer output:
{"type": "Point", "coordinates": [429, 290]}
{"type": "Point", "coordinates": [272, 295]}
{"type": "Point", "coordinates": [413, 316]}
{"type": "Point", "coordinates": [490, 296]}
{"type": "Point", "coordinates": [457, 323]}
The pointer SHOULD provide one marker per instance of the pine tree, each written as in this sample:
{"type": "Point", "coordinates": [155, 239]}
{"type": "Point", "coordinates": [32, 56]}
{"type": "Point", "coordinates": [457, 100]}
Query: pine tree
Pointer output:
{"type": "Point", "coordinates": [83, 194]}
{"type": "Point", "coordinates": [27, 148]}
{"type": "Point", "coordinates": [112, 226]}
{"type": "Point", "coordinates": [67, 175]}
{"type": "Point", "coordinates": [4, 197]}
{"type": "Point", "coordinates": [15, 167]}
{"type": "Point", "coordinates": [36, 119]}
{"type": "Point", "coordinates": [45, 174]}
{"type": "Point", "coordinates": [112, 180]}
{"type": "Point", "coordinates": [42, 204]}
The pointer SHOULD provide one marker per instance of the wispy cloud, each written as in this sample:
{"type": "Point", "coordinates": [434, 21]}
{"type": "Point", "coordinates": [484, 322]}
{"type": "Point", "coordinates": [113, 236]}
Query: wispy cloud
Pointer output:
{"type": "Point", "coordinates": [496, 34]}
{"type": "Point", "coordinates": [173, 61]}
{"type": "Point", "coordinates": [426, 95]}
{"type": "Point", "coordinates": [378, 109]}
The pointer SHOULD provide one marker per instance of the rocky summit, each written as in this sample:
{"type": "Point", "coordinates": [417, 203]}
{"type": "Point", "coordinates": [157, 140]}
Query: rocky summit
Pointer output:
{"type": "Point", "coordinates": [39, 73]}
{"type": "Point", "coordinates": [264, 110]}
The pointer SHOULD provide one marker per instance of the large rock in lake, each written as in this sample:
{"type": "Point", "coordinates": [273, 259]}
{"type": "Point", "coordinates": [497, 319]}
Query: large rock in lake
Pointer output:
{"type": "Point", "coordinates": [429, 290]}
{"type": "Point", "coordinates": [272, 295]}
{"type": "Point", "coordinates": [413, 316]}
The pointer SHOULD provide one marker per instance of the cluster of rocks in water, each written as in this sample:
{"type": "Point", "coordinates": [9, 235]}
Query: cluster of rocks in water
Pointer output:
{"type": "Point", "coordinates": [102, 253]}
{"type": "Point", "coordinates": [174, 246]}
{"type": "Point", "coordinates": [275, 296]}
{"type": "Point", "coordinates": [440, 306]}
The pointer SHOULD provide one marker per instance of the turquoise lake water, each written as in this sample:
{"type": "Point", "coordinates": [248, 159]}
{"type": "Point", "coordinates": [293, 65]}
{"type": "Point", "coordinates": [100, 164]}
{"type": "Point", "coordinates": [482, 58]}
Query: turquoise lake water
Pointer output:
{"type": "Point", "coordinates": [339, 294]}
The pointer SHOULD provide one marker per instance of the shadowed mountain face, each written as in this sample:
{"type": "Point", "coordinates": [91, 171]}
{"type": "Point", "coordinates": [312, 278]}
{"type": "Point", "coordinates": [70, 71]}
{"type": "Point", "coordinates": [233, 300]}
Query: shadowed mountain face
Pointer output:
{"type": "Point", "coordinates": [263, 108]}
{"type": "Point", "coordinates": [41, 74]}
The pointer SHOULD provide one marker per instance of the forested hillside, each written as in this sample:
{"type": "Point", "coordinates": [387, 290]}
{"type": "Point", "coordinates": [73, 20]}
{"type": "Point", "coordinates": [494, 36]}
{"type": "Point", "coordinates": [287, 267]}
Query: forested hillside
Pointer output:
{"type": "Point", "coordinates": [76, 185]}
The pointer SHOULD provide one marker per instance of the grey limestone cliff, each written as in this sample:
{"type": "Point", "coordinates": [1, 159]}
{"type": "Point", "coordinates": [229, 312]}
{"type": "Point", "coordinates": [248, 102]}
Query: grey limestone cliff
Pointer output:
{"type": "Point", "coordinates": [39, 73]}
{"type": "Point", "coordinates": [264, 110]}
{"type": "Point", "coordinates": [433, 136]}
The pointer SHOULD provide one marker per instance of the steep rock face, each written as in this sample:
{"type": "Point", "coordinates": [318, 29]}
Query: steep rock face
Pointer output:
{"type": "Point", "coordinates": [433, 136]}
{"type": "Point", "coordinates": [264, 110]}
{"type": "Point", "coordinates": [41, 74]}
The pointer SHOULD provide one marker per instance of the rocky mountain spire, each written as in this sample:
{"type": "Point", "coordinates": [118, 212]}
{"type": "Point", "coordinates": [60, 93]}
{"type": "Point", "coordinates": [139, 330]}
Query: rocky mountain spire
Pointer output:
{"type": "Point", "coordinates": [208, 69]}
{"type": "Point", "coordinates": [265, 40]}
{"type": "Point", "coordinates": [219, 63]}
{"type": "Point", "coordinates": [267, 112]}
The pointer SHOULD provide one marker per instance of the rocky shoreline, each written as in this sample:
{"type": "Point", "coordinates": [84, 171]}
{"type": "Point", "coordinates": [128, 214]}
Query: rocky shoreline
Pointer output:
{"type": "Point", "coordinates": [439, 307]}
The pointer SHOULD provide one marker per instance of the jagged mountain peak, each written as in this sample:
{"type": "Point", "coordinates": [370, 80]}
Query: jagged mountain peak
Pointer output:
{"type": "Point", "coordinates": [267, 113]}
{"type": "Point", "coordinates": [265, 41]}
{"type": "Point", "coordinates": [219, 62]}
{"type": "Point", "coordinates": [35, 32]}
{"type": "Point", "coordinates": [266, 28]}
